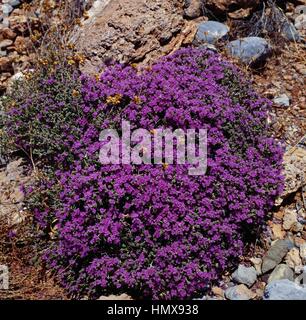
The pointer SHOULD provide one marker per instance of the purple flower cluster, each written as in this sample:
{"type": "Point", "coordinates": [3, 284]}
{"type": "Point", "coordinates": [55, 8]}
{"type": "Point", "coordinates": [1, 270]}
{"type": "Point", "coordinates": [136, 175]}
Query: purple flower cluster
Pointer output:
{"type": "Point", "coordinates": [152, 229]}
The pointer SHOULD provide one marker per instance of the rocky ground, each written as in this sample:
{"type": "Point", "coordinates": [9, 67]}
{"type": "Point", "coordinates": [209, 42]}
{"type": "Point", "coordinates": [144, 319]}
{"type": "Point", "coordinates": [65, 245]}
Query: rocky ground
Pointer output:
{"type": "Point", "coordinates": [140, 32]}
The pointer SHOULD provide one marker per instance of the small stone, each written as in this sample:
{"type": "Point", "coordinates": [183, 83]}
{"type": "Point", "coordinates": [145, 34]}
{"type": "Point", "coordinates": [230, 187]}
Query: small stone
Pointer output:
{"type": "Point", "coordinates": [293, 258]}
{"type": "Point", "coordinates": [300, 9]}
{"type": "Point", "coordinates": [245, 275]}
{"type": "Point", "coordinates": [282, 100]}
{"type": "Point", "coordinates": [250, 50]}
{"type": "Point", "coordinates": [240, 292]}
{"type": "Point", "coordinates": [300, 22]}
{"type": "Point", "coordinates": [193, 9]}
{"type": "Point", "coordinates": [279, 215]}
{"type": "Point", "coordinates": [257, 262]}
{"type": "Point", "coordinates": [7, 33]}
{"type": "Point", "coordinates": [275, 255]}
{"type": "Point", "coordinates": [299, 242]}
{"type": "Point", "coordinates": [289, 32]}
{"type": "Point", "coordinates": [5, 43]}
{"type": "Point", "coordinates": [278, 232]}
{"type": "Point", "coordinates": [7, 9]}
{"type": "Point", "coordinates": [282, 271]}
{"type": "Point", "coordinates": [284, 290]}
{"type": "Point", "coordinates": [6, 65]}
{"type": "Point", "coordinates": [297, 227]}
{"type": "Point", "coordinates": [290, 218]}
{"type": "Point", "coordinates": [14, 3]}
{"type": "Point", "coordinates": [123, 296]}
{"type": "Point", "coordinates": [295, 172]}
{"type": "Point", "coordinates": [211, 32]}
{"type": "Point", "coordinates": [219, 292]}
{"type": "Point", "coordinates": [303, 253]}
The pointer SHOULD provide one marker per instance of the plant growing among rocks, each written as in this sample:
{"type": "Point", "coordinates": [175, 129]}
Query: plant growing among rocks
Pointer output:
{"type": "Point", "coordinates": [151, 230]}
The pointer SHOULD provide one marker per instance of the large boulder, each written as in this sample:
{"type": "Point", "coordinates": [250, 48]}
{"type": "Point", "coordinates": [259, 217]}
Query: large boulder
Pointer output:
{"type": "Point", "coordinates": [130, 31]}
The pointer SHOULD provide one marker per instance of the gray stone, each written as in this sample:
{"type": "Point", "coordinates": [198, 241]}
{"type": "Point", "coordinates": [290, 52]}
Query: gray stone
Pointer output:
{"type": "Point", "coordinates": [240, 292]}
{"type": "Point", "coordinates": [284, 290]}
{"type": "Point", "coordinates": [289, 32]}
{"type": "Point", "coordinates": [7, 9]}
{"type": "Point", "coordinates": [282, 100]}
{"type": "Point", "coordinates": [211, 32]}
{"type": "Point", "coordinates": [250, 50]}
{"type": "Point", "coordinates": [300, 9]}
{"type": "Point", "coordinates": [275, 255]}
{"type": "Point", "coordinates": [282, 271]}
{"type": "Point", "coordinates": [245, 275]}
{"type": "Point", "coordinates": [300, 22]}
{"type": "Point", "coordinates": [14, 3]}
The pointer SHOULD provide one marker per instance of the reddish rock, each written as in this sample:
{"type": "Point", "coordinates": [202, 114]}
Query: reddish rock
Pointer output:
{"type": "Point", "coordinates": [6, 65]}
{"type": "Point", "coordinates": [130, 31]}
{"type": "Point", "coordinates": [7, 33]}
{"type": "Point", "coordinates": [225, 6]}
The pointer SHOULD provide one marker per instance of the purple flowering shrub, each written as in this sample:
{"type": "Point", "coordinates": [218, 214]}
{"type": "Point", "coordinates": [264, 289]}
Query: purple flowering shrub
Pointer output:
{"type": "Point", "coordinates": [154, 230]}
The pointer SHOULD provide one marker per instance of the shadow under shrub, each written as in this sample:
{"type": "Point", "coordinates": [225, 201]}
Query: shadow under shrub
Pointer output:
{"type": "Point", "coordinates": [152, 229]}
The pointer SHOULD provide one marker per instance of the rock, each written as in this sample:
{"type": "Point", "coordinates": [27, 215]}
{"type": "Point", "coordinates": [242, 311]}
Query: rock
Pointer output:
{"type": "Point", "coordinates": [5, 43]}
{"type": "Point", "coordinates": [14, 3]}
{"type": "Point", "coordinates": [130, 31]}
{"type": "Point", "coordinates": [300, 9]}
{"type": "Point", "coordinates": [245, 275]}
{"type": "Point", "coordinates": [250, 50]}
{"type": "Point", "coordinates": [6, 65]}
{"type": "Point", "coordinates": [257, 262]}
{"type": "Point", "coordinates": [7, 33]}
{"type": "Point", "coordinates": [123, 296]}
{"type": "Point", "coordinates": [295, 172]}
{"type": "Point", "coordinates": [7, 9]}
{"type": "Point", "coordinates": [284, 290]}
{"type": "Point", "coordinates": [299, 242]}
{"type": "Point", "coordinates": [275, 255]}
{"type": "Point", "coordinates": [219, 292]}
{"type": "Point", "coordinates": [290, 33]}
{"type": "Point", "coordinates": [297, 227]}
{"type": "Point", "coordinates": [290, 218]}
{"type": "Point", "coordinates": [211, 32]}
{"type": "Point", "coordinates": [282, 271]}
{"type": "Point", "coordinates": [278, 232]}
{"type": "Point", "coordinates": [223, 6]}
{"type": "Point", "coordinates": [293, 258]}
{"type": "Point", "coordinates": [300, 22]}
{"type": "Point", "coordinates": [303, 253]}
{"type": "Point", "coordinates": [240, 292]}
{"type": "Point", "coordinates": [193, 9]}
{"type": "Point", "coordinates": [282, 100]}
